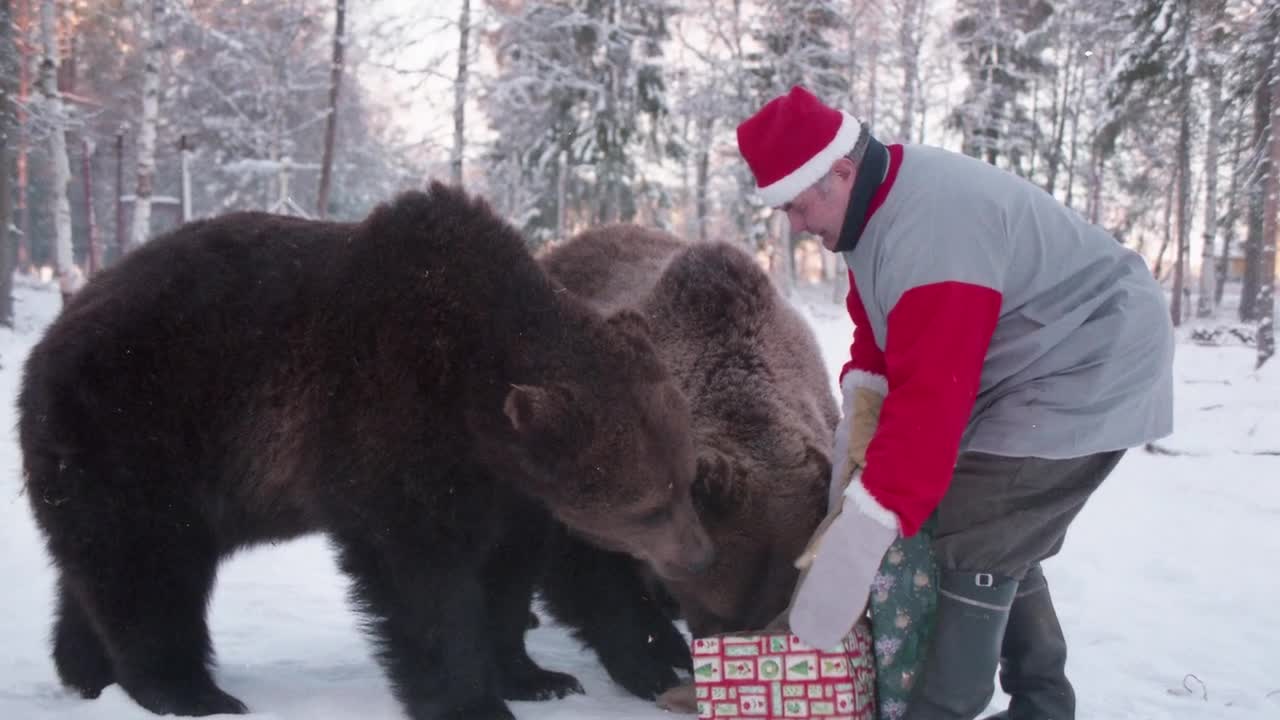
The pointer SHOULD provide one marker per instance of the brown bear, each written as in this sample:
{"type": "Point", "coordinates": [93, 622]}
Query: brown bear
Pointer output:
{"type": "Point", "coordinates": [412, 385]}
{"type": "Point", "coordinates": [763, 419]}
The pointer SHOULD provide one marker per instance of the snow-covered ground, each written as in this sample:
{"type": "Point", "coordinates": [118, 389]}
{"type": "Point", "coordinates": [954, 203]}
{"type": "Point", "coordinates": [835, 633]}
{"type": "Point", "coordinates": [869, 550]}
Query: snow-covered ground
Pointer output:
{"type": "Point", "coordinates": [1168, 580]}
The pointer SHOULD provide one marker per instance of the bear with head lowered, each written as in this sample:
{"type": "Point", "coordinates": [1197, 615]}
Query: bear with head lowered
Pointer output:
{"type": "Point", "coordinates": [764, 415]}
{"type": "Point", "coordinates": [411, 385]}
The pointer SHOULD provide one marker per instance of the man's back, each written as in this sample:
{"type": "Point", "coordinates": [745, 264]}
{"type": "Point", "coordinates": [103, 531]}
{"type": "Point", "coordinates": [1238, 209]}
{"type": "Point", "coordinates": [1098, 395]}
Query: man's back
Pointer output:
{"type": "Point", "coordinates": [1080, 358]}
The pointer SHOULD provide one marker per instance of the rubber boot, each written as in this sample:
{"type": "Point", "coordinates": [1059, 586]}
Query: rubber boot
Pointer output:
{"type": "Point", "coordinates": [958, 677]}
{"type": "Point", "coordinates": [1034, 657]}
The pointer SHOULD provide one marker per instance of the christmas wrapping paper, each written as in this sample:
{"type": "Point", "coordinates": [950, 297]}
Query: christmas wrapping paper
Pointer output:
{"type": "Point", "coordinates": [765, 676]}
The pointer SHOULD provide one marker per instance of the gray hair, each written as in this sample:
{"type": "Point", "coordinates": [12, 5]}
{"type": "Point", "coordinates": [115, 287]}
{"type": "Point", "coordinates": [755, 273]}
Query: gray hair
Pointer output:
{"type": "Point", "coordinates": [854, 155]}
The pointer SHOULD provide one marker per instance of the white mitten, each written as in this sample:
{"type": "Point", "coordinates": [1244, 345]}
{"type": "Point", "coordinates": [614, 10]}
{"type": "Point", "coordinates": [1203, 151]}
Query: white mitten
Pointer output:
{"type": "Point", "coordinates": [844, 555]}
{"type": "Point", "coordinates": [839, 567]}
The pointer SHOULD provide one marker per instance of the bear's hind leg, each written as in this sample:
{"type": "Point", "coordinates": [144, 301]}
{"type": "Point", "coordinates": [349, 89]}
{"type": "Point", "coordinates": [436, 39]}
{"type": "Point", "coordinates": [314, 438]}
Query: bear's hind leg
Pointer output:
{"type": "Point", "coordinates": [426, 616]}
{"type": "Point", "coordinates": [78, 653]}
{"type": "Point", "coordinates": [148, 594]}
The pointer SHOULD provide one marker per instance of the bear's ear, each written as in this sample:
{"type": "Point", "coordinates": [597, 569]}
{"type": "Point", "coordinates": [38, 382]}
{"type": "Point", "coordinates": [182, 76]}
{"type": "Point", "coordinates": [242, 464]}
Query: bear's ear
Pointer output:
{"type": "Point", "coordinates": [720, 486]}
{"type": "Point", "coordinates": [537, 409]}
{"type": "Point", "coordinates": [630, 323]}
{"type": "Point", "coordinates": [636, 351]}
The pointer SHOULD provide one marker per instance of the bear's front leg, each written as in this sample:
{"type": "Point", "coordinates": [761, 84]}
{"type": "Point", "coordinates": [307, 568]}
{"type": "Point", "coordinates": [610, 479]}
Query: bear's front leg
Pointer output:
{"type": "Point", "coordinates": [600, 595]}
{"type": "Point", "coordinates": [511, 572]}
{"type": "Point", "coordinates": [427, 616]}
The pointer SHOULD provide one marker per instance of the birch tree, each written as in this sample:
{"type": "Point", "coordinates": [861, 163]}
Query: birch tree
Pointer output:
{"type": "Point", "coordinates": [151, 36]}
{"type": "Point", "coordinates": [54, 115]}
{"type": "Point", "coordinates": [1212, 75]}
{"type": "Point", "coordinates": [331, 122]}
{"type": "Point", "coordinates": [460, 93]}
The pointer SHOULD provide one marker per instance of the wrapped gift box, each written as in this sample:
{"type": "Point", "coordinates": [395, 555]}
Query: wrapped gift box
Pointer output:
{"type": "Point", "coordinates": [758, 677]}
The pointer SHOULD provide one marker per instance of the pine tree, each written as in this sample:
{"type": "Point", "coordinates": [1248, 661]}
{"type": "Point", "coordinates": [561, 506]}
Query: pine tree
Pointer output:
{"type": "Point", "coordinates": [1000, 44]}
{"type": "Point", "coordinates": [1158, 63]}
{"type": "Point", "coordinates": [579, 99]}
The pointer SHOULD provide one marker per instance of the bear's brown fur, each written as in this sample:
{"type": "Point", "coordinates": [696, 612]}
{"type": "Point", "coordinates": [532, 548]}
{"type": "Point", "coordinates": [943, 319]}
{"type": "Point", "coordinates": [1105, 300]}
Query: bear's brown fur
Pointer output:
{"type": "Point", "coordinates": [412, 385]}
{"type": "Point", "coordinates": [763, 419]}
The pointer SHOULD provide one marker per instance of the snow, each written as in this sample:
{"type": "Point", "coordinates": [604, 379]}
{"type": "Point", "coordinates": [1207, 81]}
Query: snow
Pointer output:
{"type": "Point", "coordinates": [1164, 578]}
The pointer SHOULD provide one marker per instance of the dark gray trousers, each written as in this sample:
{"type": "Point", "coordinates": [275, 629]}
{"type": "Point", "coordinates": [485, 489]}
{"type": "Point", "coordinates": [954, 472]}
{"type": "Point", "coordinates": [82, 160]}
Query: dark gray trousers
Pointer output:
{"type": "Point", "coordinates": [1003, 515]}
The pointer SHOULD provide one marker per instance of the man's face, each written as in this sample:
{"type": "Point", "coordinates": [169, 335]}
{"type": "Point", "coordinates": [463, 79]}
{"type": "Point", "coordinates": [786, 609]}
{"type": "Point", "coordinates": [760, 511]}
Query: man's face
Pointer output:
{"type": "Point", "coordinates": [821, 207]}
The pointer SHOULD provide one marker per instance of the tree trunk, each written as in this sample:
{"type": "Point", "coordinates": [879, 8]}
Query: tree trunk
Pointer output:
{"type": "Point", "coordinates": [1208, 276]}
{"type": "Point", "coordinates": [1168, 226]}
{"type": "Point", "coordinates": [784, 255]}
{"type": "Point", "coordinates": [909, 46]}
{"type": "Point", "coordinates": [1230, 222]}
{"type": "Point", "coordinates": [152, 39]}
{"type": "Point", "coordinates": [1184, 206]}
{"type": "Point", "coordinates": [8, 54]}
{"type": "Point", "coordinates": [90, 217]}
{"type": "Point", "coordinates": [460, 93]}
{"type": "Point", "coordinates": [1053, 154]}
{"type": "Point", "coordinates": [562, 196]}
{"type": "Point", "coordinates": [1035, 136]}
{"type": "Point", "coordinates": [1265, 305]}
{"type": "Point", "coordinates": [54, 114]}
{"type": "Point", "coordinates": [873, 70]}
{"type": "Point", "coordinates": [184, 178]}
{"type": "Point", "coordinates": [1256, 221]}
{"type": "Point", "coordinates": [705, 128]}
{"type": "Point", "coordinates": [1097, 179]}
{"type": "Point", "coordinates": [121, 242]}
{"type": "Point", "coordinates": [331, 122]}
{"type": "Point", "coordinates": [26, 57]}
{"type": "Point", "coordinates": [1075, 134]}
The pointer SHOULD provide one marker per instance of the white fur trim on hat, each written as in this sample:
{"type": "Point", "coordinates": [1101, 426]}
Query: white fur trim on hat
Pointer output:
{"type": "Point", "coordinates": [783, 190]}
{"type": "Point", "coordinates": [863, 379]}
{"type": "Point", "coordinates": [869, 506]}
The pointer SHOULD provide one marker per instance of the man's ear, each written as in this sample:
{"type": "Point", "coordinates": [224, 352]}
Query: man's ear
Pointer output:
{"type": "Point", "coordinates": [844, 169]}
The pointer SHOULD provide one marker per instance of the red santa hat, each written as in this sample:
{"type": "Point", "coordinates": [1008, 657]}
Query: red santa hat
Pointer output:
{"type": "Point", "coordinates": [792, 142]}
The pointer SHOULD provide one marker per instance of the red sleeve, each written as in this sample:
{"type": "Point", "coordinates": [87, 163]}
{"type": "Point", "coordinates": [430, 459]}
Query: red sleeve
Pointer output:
{"type": "Point", "coordinates": [864, 354]}
{"type": "Point", "coordinates": [936, 342]}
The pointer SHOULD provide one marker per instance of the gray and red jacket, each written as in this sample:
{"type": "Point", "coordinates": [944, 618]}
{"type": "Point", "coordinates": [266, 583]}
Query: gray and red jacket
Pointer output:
{"type": "Point", "coordinates": [995, 320]}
